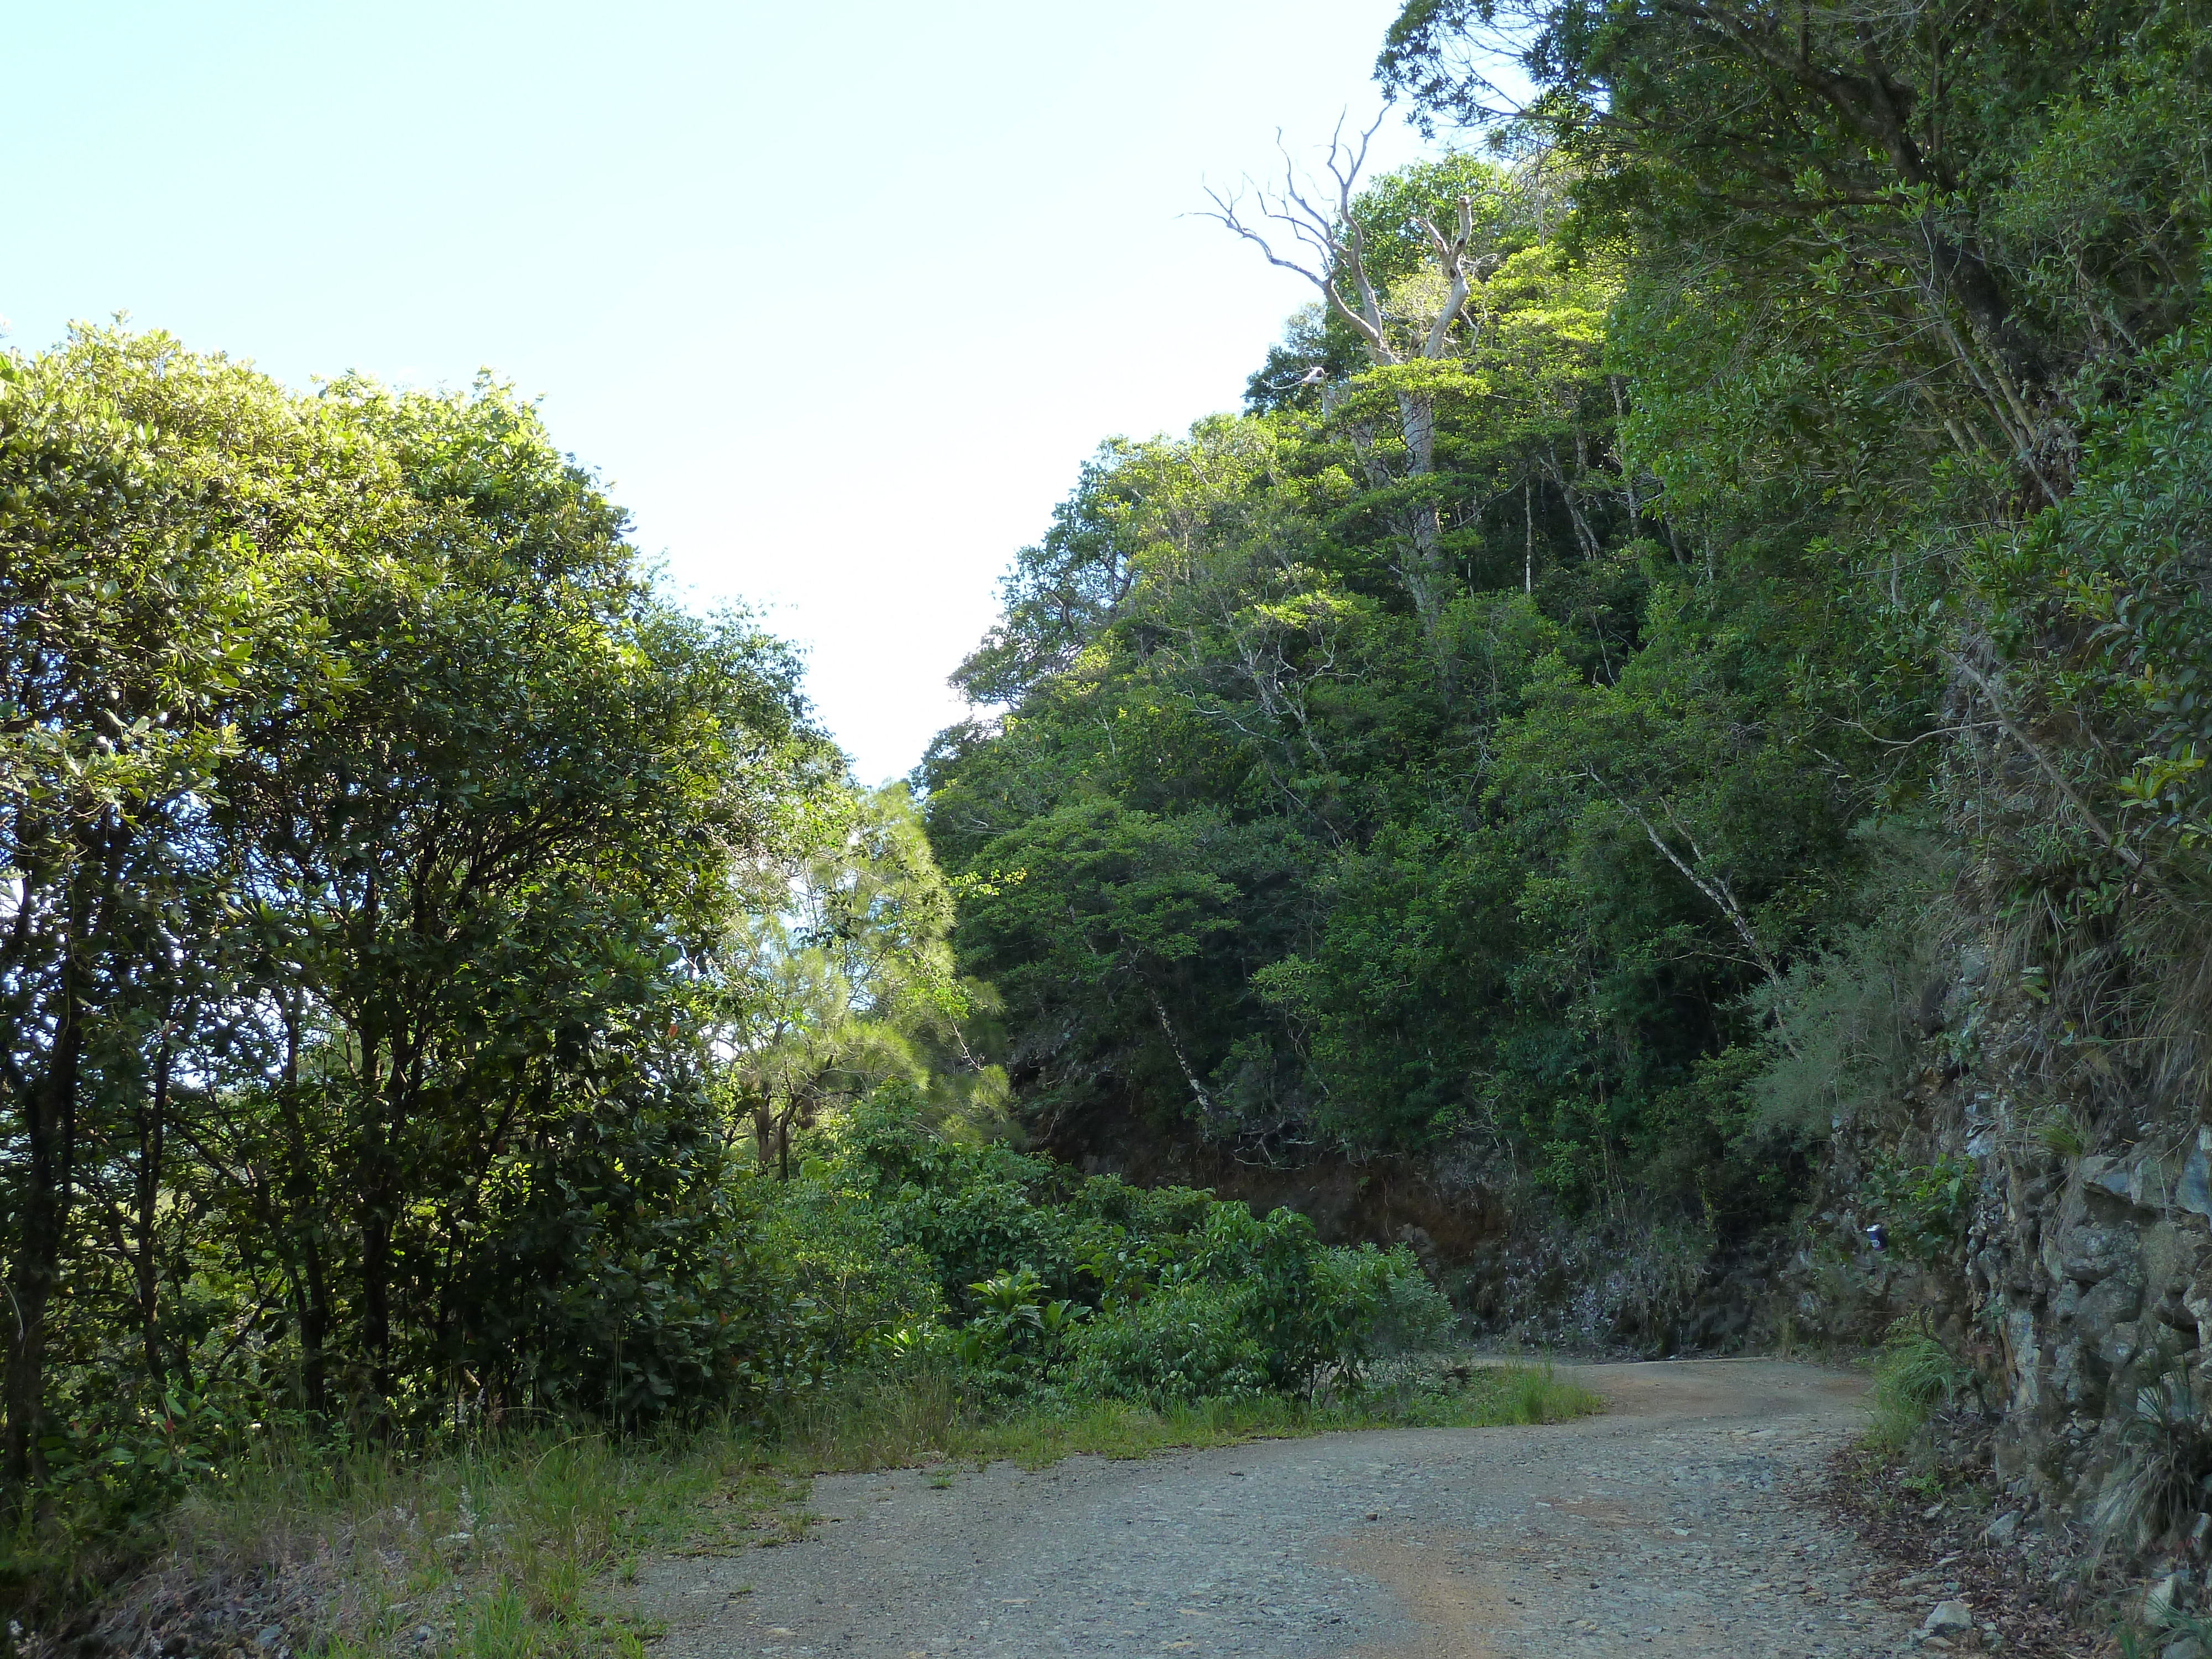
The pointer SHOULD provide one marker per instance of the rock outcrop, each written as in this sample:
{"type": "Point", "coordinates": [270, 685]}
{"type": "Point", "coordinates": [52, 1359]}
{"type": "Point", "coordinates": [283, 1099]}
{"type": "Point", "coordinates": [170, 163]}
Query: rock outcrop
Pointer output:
{"type": "Point", "coordinates": [2077, 1282]}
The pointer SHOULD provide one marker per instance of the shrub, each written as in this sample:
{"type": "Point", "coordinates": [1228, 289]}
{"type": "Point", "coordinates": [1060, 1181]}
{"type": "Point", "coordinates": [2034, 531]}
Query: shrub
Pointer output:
{"type": "Point", "coordinates": [1926, 1209]}
{"type": "Point", "coordinates": [1187, 1341]}
{"type": "Point", "coordinates": [2165, 1474]}
{"type": "Point", "coordinates": [862, 1285]}
{"type": "Point", "coordinates": [1028, 1277]}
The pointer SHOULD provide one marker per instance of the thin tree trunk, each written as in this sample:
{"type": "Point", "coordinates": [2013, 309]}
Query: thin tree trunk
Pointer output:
{"type": "Point", "coordinates": [1175, 1046]}
{"type": "Point", "coordinates": [50, 1135]}
{"type": "Point", "coordinates": [311, 1287]}
{"type": "Point", "coordinates": [381, 1069]}
{"type": "Point", "coordinates": [153, 1121]}
{"type": "Point", "coordinates": [1627, 467]}
{"type": "Point", "coordinates": [1528, 521]}
{"type": "Point", "coordinates": [376, 1226]}
{"type": "Point", "coordinates": [1716, 890]}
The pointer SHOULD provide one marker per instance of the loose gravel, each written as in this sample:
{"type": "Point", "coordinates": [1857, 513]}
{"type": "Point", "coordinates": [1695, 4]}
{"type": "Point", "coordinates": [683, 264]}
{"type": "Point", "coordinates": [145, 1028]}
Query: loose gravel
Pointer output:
{"type": "Point", "coordinates": [1666, 1526]}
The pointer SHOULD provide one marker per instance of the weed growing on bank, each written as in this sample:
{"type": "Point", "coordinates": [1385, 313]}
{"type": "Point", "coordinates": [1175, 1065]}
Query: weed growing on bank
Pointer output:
{"type": "Point", "coordinates": [1915, 1375]}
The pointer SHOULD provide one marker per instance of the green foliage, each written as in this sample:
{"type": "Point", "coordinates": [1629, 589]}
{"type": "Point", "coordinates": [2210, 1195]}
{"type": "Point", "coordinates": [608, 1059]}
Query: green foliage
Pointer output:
{"type": "Point", "coordinates": [1846, 1020]}
{"type": "Point", "coordinates": [1569, 748]}
{"type": "Point", "coordinates": [834, 980]}
{"type": "Point", "coordinates": [1915, 1375]}
{"type": "Point", "coordinates": [1278, 842]}
{"type": "Point", "coordinates": [1089, 1289]}
{"type": "Point", "coordinates": [1929, 363]}
{"type": "Point", "coordinates": [367, 821]}
{"type": "Point", "coordinates": [2128, 552]}
{"type": "Point", "coordinates": [1184, 1341]}
{"type": "Point", "coordinates": [1925, 1208]}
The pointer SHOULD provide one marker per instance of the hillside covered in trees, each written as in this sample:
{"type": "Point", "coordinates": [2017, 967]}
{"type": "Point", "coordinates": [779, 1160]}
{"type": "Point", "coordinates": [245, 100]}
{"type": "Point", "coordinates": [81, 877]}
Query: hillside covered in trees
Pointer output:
{"type": "Point", "coordinates": [1694, 556]}
{"type": "Point", "coordinates": [1673, 727]}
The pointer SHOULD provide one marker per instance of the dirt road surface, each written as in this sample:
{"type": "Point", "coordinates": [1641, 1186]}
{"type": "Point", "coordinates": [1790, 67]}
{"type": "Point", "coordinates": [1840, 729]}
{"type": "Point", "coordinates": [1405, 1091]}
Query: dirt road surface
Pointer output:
{"type": "Point", "coordinates": [1662, 1528]}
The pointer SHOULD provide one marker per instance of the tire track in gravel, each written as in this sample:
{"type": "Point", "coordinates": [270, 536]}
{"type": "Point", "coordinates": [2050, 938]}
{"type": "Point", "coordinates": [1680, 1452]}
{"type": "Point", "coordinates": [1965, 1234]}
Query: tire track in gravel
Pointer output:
{"type": "Point", "coordinates": [1663, 1528]}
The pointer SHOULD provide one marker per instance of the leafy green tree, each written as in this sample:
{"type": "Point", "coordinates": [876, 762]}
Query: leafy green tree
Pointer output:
{"type": "Point", "coordinates": [1880, 157]}
{"type": "Point", "coordinates": [1398, 265]}
{"type": "Point", "coordinates": [1897, 278]}
{"type": "Point", "coordinates": [369, 825]}
{"type": "Point", "coordinates": [835, 979]}
{"type": "Point", "coordinates": [493, 858]}
{"type": "Point", "coordinates": [162, 518]}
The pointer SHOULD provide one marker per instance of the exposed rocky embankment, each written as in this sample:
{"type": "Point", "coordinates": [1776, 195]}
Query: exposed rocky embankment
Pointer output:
{"type": "Point", "coordinates": [2078, 1286]}
{"type": "Point", "coordinates": [1448, 1219]}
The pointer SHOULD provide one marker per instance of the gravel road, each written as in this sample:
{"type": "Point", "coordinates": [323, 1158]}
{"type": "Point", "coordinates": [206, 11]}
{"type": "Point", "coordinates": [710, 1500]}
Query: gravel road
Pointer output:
{"type": "Point", "coordinates": [1662, 1527]}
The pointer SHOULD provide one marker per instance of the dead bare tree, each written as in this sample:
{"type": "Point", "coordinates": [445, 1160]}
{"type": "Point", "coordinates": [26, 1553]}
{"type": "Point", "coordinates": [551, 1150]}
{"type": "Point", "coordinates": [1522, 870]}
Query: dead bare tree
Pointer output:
{"type": "Point", "coordinates": [1329, 248]}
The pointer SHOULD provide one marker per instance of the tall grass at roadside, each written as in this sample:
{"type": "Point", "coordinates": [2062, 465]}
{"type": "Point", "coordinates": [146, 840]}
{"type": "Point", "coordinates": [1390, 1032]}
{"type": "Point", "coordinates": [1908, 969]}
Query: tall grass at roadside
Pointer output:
{"type": "Point", "coordinates": [1914, 1375]}
{"type": "Point", "coordinates": [496, 1549]}
{"type": "Point", "coordinates": [517, 1546]}
{"type": "Point", "coordinates": [875, 1423]}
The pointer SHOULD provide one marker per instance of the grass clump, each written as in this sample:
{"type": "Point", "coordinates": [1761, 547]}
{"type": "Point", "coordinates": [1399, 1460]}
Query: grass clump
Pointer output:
{"type": "Point", "coordinates": [496, 1548]}
{"type": "Point", "coordinates": [1914, 1375]}
{"type": "Point", "coordinates": [2164, 1475]}
{"type": "Point", "coordinates": [890, 1423]}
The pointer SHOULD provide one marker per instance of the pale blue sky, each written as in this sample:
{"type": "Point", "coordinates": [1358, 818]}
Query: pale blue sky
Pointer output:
{"type": "Point", "coordinates": [837, 298]}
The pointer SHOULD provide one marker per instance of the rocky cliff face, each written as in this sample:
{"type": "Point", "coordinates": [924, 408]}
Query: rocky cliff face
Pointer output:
{"type": "Point", "coordinates": [2095, 1277]}
{"type": "Point", "coordinates": [2090, 1273]}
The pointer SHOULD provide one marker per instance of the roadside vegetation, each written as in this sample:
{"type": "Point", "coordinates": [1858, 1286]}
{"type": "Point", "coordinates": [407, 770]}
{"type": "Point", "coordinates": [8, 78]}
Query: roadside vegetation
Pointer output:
{"type": "Point", "coordinates": [1720, 567]}
{"type": "Point", "coordinates": [522, 1542]}
{"type": "Point", "coordinates": [1185, 1322]}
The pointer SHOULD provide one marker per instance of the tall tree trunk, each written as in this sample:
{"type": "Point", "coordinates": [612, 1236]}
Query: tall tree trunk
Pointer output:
{"type": "Point", "coordinates": [375, 1158]}
{"type": "Point", "coordinates": [376, 1273]}
{"type": "Point", "coordinates": [49, 1123]}
{"type": "Point", "coordinates": [381, 1071]}
{"type": "Point", "coordinates": [1423, 573]}
{"type": "Point", "coordinates": [309, 1288]}
{"type": "Point", "coordinates": [1529, 530]}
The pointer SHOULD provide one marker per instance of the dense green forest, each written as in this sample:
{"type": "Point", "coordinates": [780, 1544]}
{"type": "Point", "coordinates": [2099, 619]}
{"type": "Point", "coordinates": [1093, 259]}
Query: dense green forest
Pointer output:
{"type": "Point", "coordinates": [1728, 525]}
{"type": "Point", "coordinates": [1738, 511]}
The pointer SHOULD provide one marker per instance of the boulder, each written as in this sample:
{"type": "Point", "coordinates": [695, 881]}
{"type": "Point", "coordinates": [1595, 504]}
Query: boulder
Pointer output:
{"type": "Point", "coordinates": [2193, 1192]}
{"type": "Point", "coordinates": [2113, 1301]}
{"type": "Point", "coordinates": [2089, 1256]}
{"type": "Point", "coordinates": [1948, 1618]}
{"type": "Point", "coordinates": [2162, 1598]}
